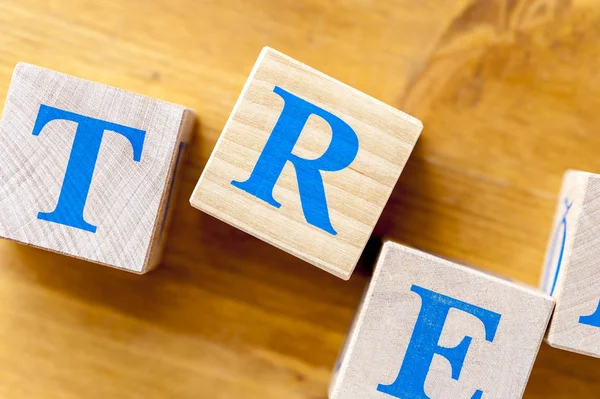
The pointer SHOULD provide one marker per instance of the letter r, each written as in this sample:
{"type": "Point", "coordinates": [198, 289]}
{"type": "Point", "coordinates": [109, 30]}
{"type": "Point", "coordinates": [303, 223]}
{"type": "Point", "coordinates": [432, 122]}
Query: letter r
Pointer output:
{"type": "Point", "coordinates": [278, 151]}
{"type": "Point", "coordinates": [424, 344]}
{"type": "Point", "coordinates": [82, 162]}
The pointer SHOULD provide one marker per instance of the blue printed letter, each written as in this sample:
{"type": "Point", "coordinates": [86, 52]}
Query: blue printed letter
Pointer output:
{"type": "Point", "coordinates": [80, 169]}
{"type": "Point", "coordinates": [278, 151]}
{"type": "Point", "coordinates": [593, 319]}
{"type": "Point", "coordinates": [423, 345]}
{"type": "Point", "coordinates": [562, 227]}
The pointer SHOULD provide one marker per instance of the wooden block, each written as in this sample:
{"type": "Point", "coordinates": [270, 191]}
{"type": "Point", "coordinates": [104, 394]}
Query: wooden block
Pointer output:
{"type": "Point", "coordinates": [306, 163]}
{"type": "Point", "coordinates": [429, 328]}
{"type": "Point", "coordinates": [572, 266]}
{"type": "Point", "coordinates": [87, 170]}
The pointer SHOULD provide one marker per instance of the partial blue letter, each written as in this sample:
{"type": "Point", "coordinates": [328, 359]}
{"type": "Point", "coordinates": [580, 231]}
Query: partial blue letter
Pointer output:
{"type": "Point", "coordinates": [278, 151]}
{"type": "Point", "coordinates": [593, 319]}
{"type": "Point", "coordinates": [80, 169]}
{"type": "Point", "coordinates": [562, 227]}
{"type": "Point", "coordinates": [423, 345]}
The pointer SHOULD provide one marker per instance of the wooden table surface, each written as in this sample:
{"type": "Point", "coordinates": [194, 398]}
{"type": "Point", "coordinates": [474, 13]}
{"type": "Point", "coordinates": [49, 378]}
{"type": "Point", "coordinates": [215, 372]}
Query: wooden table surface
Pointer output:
{"type": "Point", "coordinates": [508, 90]}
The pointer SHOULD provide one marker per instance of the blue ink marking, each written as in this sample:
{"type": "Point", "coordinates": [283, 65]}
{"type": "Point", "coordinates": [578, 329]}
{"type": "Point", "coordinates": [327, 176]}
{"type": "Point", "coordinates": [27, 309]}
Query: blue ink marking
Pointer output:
{"type": "Point", "coordinates": [562, 226]}
{"type": "Point", "coordinates": [82, 162]}
{"type": "Point", "coordinates": [164, 218]}
{"type": "Point", "coordinates": [590, 320]}
{"type": "Point", "coordinates": [477, 395]}
{"type": "Point", "coordinates": [343, 353]}
{"type": "Point", "coordinates": [424, 344]}
{"type": "Point", "coordinates": [593, 319]}
{"type": "Point", "coordinates": [341, 152]}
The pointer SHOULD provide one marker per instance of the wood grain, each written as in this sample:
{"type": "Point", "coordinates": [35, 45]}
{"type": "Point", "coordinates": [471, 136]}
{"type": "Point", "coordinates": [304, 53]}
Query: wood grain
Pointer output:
{"type": "Point", "coordinates": [508, 91]}
{"type": "Point", "coordinates": [398, 321]}
{"type": "Point", "coordinates": [120, 220]}
{"type": "Point", "coordinates": [354, 189]}
{"type": "Point", "coordinates": [571, 265]}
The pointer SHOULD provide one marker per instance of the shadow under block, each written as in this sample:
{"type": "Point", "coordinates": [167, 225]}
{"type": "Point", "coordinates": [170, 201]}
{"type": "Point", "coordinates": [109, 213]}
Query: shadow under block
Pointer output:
{"type": "Point", "coordinates": [429, 328]}
{"type": "Point", "coordinates": [572, 266]}
{"type": "Point", "coordinates": [87, 170]}
{"type": "Point", "coordinates": [306, 163]}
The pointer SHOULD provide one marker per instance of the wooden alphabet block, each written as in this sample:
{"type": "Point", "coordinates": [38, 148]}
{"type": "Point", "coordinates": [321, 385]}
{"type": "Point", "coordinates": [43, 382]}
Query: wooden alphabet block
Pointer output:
{"type": "Point", "coordinates": [572, 267]}
{"type": "Point", "coordinates": [429, 328]}
{"type": "Point", "coordinates": [306, 163]}
{"type": "Point", "coordinates": [87, 170]}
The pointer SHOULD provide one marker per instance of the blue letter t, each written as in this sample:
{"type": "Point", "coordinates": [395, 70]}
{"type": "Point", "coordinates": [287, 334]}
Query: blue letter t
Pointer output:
{"type": "Point", "coordinates": [82, 162]}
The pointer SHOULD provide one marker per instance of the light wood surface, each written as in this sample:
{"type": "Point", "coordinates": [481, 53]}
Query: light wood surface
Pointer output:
{"type": "Point", "coordinates": [323, 217]}
{"type": "Point", "coordinates": [571, 265]}
{"type": "Point", "coordinates": [412, 298]}
{"type": "Point", "coordinates": [54, 129]}
{"type": "Point", "coordinates": [508, 92]}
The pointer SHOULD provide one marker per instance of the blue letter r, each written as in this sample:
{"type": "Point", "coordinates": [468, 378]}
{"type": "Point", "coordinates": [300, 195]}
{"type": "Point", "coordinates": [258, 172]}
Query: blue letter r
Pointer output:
{"type": "Point", "coordinates": [278, 151]}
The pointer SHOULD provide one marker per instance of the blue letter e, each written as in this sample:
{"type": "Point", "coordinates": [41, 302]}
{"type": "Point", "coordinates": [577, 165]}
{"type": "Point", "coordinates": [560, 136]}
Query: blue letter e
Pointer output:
{"type": "Point", "coordinates": [423, 345]}
{"type": "Point", "coordinates": [278, 151]}
{"type": "Point", "coordinates": [82, 161]}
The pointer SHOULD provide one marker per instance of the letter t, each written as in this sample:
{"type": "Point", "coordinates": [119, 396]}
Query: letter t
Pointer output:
{"type": "Point", "coordinates": [82, 162]}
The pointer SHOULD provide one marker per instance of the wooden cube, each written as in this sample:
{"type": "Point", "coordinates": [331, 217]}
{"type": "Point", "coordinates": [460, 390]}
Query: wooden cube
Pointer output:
{"type": "Point", "coordinates": [306, 163]}
{"type": "Point", "coordinates": [86, 169]}
{"type": "Point", "coordinates": [572, 267]}
{"type": "Point", "coordinates": [429, 328]}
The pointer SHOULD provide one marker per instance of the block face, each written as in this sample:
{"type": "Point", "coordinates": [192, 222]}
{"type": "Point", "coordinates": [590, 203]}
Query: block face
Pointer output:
{"type": "Point", "coordinates": [86, 169]}
{"type": "Point", "coordinates": [306, 163]}
{"type": "Point", "coordinates": [575, 276]}
{"type": "Point", "coordinates": [410, 335]}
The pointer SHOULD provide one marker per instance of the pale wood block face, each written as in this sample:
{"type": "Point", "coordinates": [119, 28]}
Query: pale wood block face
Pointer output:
{"type": "Point", "coordinates": [572, 270]}
{"type": "Point", "coordinates": [86, 169]}
{"type": "Point", "coordinates": [306, 163]}
{"type": "Point", "coordinates": [409, 336]}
